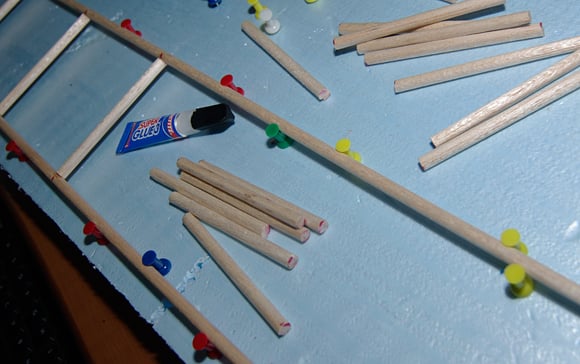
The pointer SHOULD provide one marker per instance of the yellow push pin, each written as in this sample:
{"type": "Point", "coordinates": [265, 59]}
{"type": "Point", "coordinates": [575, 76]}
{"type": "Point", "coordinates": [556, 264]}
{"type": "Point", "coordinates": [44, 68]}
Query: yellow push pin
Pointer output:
{"type": "Point", "coordinates": [311, 1]}
{"type": "Point", "coordinates": [521, 285]}
{"type": "Point", "coordinates": [511, 239]}
{"type": "Point", "coordinates": [257, 7]}
{"type": "Point", "coordinates": [343, 146]}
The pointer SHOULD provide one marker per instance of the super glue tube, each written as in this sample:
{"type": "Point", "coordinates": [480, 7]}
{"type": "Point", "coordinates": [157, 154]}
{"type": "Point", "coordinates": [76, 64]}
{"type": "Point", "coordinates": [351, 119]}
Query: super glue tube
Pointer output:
{"type": "Point", "coordinates": [205, 120]}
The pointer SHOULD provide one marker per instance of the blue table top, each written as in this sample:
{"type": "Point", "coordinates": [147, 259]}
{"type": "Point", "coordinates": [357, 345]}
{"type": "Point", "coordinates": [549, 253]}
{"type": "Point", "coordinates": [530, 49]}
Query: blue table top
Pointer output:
{"type": "Point", "coordinates": [382, 284]}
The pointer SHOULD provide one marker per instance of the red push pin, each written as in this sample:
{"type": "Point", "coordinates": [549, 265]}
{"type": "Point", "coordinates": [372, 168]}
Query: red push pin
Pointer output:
{"type": "Point", "coordinates": [91, 229]}
{"type": "Point", "coordinates": [14, 148]}
{"type": "Point", "coordinates": [127, 25]}
{"type": "Point", "coordinates": [228, 81]}
{"type": "Point", "coordinates": [201, 342]}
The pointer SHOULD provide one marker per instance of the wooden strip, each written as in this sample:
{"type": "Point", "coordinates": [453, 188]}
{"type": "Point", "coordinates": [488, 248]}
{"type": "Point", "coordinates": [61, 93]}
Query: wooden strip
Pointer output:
{"type": "Point", "coordinates": [345, 28]}
{"type": "Point", "coordinates": [6, 8]}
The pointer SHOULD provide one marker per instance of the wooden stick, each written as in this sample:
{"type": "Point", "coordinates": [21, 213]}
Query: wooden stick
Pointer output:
{"type": "Point", "coordinates": [7, 7]}
{"type": "Point", "coordinates": [316, 223]}
{"type": "Point", "coordinates": [112, 117]}
{"type": "Point", "coordinates": [488, 64]}
{"type": "Point", "coordinates": [42, 65]}
{"type": "Point", "coordinates": [261, 202]}
{"type": "Point", "coordinates": [450, 1]}
{"type": "Point", "coordinates": [129, 255]}
{"type": "Point", "coordinates": [346, 28]}
{"type": "Point", "coordinates": [289, 64]}
{"type": "Point", "coordinates": [481, 240]}
{"type": "Point", "coordinates": [252, 240]}
{"type": "Point", "coordinates": [454, 44]}
{"type": "Point", "coordinates": [451, 31]}
{"type": "Point", "coordinates": [508, 99]}
{"type": "Point", "coordinates": [502, 120]}
{"type": "Point", "coordinates": [265, 308]}
{"type": "Point", "coordinates": [211, 202]}
{"type": "Point", "coordinates": [415, 21]}
{"type": "Point", "coordinates": [301, 234]}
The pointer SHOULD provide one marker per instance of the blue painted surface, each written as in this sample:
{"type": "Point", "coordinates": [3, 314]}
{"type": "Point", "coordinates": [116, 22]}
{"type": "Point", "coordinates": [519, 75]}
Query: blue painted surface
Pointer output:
{"type": "Point", "coordinates": [382, 284]}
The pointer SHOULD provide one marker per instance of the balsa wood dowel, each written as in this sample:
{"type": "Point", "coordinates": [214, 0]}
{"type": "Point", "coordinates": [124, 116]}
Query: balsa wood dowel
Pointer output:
{"type": "Point", "coordinates": [488, 64]}
{"type": "Point", "coordinates": [252, 240]}
{"type": "Point", "coordinates": [543, 275]}
{"type": "Point", "coordinates": [265, 308]}
{"type": "Point", "coordinates": [451, 31]}
{"type": "Point", "coordinates": [112, 117]}
{"type": "Point", "coordinates": [415, 21]}
{"type": "Point", "coordinates": [301, 234]}
{"type": "Point", "coordinates": [454, 44]}
{"type": "Point", "coordinates": [198, 195]}
{"type": "Point", "coordinates": [7, 7]}
{"type": "Point", "coordinates": [288, 63]}
{"type": "Point", "coordinates": [42, 65]}
{"type": "Point", "coordinates": [502, 120]}
{"type": "Point", "coordinates": [345, 28]}
{"type": "Point", "coordinates": [508, 99]}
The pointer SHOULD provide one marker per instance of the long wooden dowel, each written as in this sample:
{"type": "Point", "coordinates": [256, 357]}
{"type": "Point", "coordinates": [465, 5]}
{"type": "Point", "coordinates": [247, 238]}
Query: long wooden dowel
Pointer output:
{"type": "Point", "coordinates": [454, 44]}
{"type": "Point", "coordinates": [126, 251]}
{"type": "Point", "coordinates": [7, 7]}
{"type": "Point", "coordinates": [542, 98]}
{"type": "Point", "coordinates": [415, 21]}
{"type": "Point", "coordinates": [259, 201]}
{"type": "Point", "coordinates": [42, 65]}
{"type": "Point", "coordinates": [488, 64]}
{"type": "Point", "coordinates": [265, 308]}
{"type": "Point", "coordinates": [301, 234]}
{"type": "Point", "coordinates": [290, 65]}
{"type": "Point", "coordinates": [345, 28]}
{"type": "Point", "coordinates": [314, 222]}
{"type": "Point", "coordinates": [252, 240]}
{"type": "Point", "coordinates": [487, 243]}
{"type": "Point", "coordinates": [451, 31]}
{"type": "Point", "coordinates": [508, 99]}
{"type": "Point", "coordinates": [228, 211]}
{"type": "Point", "coordinates": [112, 117]}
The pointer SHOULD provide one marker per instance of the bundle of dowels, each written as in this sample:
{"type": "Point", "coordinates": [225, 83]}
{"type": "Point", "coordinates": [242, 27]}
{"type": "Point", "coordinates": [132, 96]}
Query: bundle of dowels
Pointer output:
{"type": "Point", "coordinates": [243, 211]}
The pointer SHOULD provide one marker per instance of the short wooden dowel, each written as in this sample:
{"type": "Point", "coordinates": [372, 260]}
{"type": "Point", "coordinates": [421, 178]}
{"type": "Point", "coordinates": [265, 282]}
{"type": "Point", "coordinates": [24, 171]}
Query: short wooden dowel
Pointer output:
{"type": "Point", "coordinates": [288, 63]}
{"type": "Point", "coordinates": [268, 249]}
{"type": "Point", "coordinates": [488, 64]}
{"type": "Point", "coordinates": [7, 7]}
{"type": "Point", "coordinates": [112, 118]}
{"type": "Point", "coordinates": [345, 28]}
{"type": "Point", "coordinates": [259, 201]}
{"type": "Point", "coordinates": [542, 98]}
{"type": "Point", "coordinates": [314, 222]}
{"type": "Point", "coordinates": [451, 31]}
{"type": "Point", "coordinates": [454, 44]}
{"type": "Point", "coordinates": [301, 234]}
{"type": "Point", "coordinates": [42, 65]}
{"type": "Point", "coordinates": [198, 195]}
{"type": "Point", "coordinates": [508, 99]}
{"type": "Point", "coordinates": [240, 279]}
{"type": "Point", "coordinates": [414, 21]}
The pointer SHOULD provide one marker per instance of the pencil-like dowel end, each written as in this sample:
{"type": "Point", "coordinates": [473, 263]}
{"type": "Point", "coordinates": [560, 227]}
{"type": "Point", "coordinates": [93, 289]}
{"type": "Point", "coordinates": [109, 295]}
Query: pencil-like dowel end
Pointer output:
{"type": "Point", "coordinates": [292, 261]}
{"type": "Point", "coordinates": [284, 328]}
{"type": "Point", "coordinates": [323, 94]}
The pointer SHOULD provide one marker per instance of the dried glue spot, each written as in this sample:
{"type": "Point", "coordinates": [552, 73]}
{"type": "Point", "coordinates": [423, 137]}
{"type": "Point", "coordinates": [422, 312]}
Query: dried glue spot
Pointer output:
{"type": "Point", "coordinates": [572, 232]}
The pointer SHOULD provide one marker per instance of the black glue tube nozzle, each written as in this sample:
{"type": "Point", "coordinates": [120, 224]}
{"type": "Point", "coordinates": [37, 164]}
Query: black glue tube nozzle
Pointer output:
{"type": "Point", "coordinates": [212, 119]}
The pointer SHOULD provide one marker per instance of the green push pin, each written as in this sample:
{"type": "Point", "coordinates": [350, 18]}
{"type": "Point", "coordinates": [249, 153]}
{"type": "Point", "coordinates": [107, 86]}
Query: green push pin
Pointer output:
{"type": "Point", "coordinates": [277, 137]}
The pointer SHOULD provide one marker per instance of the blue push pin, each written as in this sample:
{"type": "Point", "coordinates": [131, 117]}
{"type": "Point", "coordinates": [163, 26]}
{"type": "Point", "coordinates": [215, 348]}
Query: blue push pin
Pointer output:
{"type": "Point", "coordinates": [162, 265]}
{"type": "Point", "coordinates": [213, 3]}
{"type": "Point", "coordinates": [277, 138]}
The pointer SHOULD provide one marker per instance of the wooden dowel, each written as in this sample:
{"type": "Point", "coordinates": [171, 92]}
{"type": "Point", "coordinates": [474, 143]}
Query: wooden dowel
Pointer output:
{"type": "Point", "coordinates": [316, 223]}
{"type": "Point", "coordinates": [7, 7]}
{"type": "Point", "coordinates": [502, 120]}
{"type": "Point", "coordinates": [345, 28]}
{"type": "Point", "coordinates": [414, 21]}
{"type": "Point", "coordinates": [132, 257]}
{"type": "Point", "coordinates": [301, 234]}
{"type": "Point", "coordinates": [42, 65]}
{"type": "Point", "coordinates": [481, 240]}
{"type": "Point", "coordinates": [488, 64]}
{"type": "Point", "coordinates": [289, 64]}
{"type": "Point", "coordinates": [450, 1]}
{"type": "Point", "coordinates": [265, 308]}
{"type": "Point", "coordinates": [112, 117]}
{"type": "Point", "coordinates": [508, 99]}
{"type": "Point", "coordinates": [211, 202]}
{"type": "Point", "coordinates": [261, 202]}
{"type": "Point", "coordinates": [454, 44]}
{"type": "Point", "coordinates": [451, 31]}
{"type": "Point", "coordinates": [252, 240]}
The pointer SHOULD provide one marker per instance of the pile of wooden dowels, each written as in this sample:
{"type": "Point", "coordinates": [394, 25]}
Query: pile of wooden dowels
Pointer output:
{"type": "Point", "coordinates": [245, 212]}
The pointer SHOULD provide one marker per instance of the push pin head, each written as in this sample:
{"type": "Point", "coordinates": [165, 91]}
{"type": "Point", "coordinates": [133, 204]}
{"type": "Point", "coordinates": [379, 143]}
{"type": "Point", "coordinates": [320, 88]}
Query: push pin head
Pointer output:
{"type": "Point", "coordinates": [271, 26]}
{"type": "Point", "coordinates": [343, 146]}
{"type": "Point", "coordinates": [201, 342]}
{"type": "Point", "coordinates": [511, 239]}
{"type": "Point", "coordinates": [12, 147]}
{"type": "Point", "coordinates": [277, 137]}
{"type": "Point", "coordinates": [213, 3]}
{"type": "Point", "coordinates": [162, 265]}
{"type": "Point", "coordinates": [228, 81]}
{"type": "Point", "coordinates": [521, 285]}
{"type": "Point", "coordinates": [127, 25]}
{"type": "Point", "coordinates": [311, 1]}
{"type": "Point", "coordinates": [91, 229]}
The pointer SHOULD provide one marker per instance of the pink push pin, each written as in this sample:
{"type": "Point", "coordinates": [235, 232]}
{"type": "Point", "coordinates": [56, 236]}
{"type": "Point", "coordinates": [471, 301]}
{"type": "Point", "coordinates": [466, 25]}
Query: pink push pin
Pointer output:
{"type": "Point", "coordinates": [14, 148]}
{"type": "Point", "coordinates": [228, 81]}
{"type": "Point", "coordinates": [127, 25]}
{"type": "Point", "coordinates": [91, 229]}
{"type": "Point", "coordinates": [201, 342]}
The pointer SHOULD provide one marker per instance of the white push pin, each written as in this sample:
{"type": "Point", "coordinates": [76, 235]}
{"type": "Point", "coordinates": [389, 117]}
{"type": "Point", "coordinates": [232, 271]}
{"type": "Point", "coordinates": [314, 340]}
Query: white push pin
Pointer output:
{"type": "Point", "coordinates": [271, 26]}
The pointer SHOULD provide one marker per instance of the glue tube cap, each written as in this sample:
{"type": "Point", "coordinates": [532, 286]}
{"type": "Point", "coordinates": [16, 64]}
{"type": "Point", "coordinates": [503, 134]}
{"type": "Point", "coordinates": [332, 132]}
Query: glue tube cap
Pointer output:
{"type": "Point", "coordinates": [212, 119]}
